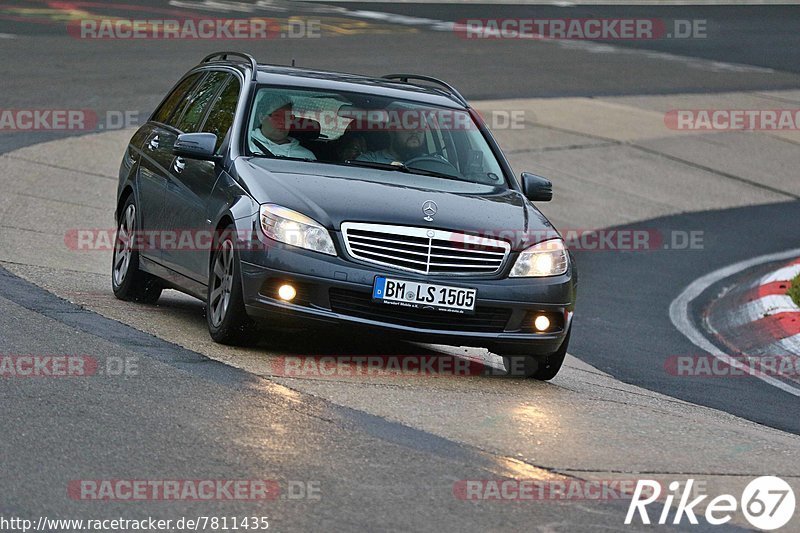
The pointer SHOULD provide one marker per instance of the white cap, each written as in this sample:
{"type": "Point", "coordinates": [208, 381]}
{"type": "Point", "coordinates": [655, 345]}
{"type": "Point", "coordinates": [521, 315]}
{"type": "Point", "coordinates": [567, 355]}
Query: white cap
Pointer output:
{"type": "Point", "coordinates": [270, 101]}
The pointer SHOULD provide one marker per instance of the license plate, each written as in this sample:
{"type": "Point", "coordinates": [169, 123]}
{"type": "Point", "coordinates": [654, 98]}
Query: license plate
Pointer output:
{"type": "Point", "coordinates": [415, 295]}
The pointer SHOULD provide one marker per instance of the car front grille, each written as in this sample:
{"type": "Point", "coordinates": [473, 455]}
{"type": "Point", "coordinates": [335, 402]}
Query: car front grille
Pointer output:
{"type": "Point", "coordinates": [424, 250]}
{"type": "Point", "coordinates": [360, 305]}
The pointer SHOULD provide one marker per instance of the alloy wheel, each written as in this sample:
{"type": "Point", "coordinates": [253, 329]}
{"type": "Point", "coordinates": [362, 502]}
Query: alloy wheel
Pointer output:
{"type": "Point", "coordinates": [123, 247]}
{"type": "Point", "coordinates": [222, 283]}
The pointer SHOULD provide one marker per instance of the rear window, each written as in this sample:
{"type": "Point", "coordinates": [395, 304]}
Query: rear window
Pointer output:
{"type": "Point", "coordinates": [220, 118]}
{"type": "Point", "coordinates": [199, 102]}
{"type": "Point", "coordinates": [167, 109]}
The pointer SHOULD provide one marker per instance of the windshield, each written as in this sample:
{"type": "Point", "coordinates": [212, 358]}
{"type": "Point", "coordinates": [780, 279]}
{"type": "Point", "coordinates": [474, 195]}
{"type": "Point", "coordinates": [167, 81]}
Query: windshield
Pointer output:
{"type": "Point", "coordinates": [370, 131]}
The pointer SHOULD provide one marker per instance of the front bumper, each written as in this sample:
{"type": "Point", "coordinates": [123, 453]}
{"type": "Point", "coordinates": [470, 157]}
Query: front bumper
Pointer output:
{"type": "Point", "coordinates": [334, 291]}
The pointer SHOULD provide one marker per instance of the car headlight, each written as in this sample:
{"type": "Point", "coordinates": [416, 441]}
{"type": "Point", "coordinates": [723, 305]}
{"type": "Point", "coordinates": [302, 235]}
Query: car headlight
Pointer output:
{"type": "Point", "coordinates": [295, 229]}
{"type": "Point", "coordinates": [548, 258]}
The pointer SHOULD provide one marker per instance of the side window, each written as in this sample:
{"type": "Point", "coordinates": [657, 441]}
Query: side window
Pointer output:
{"type": "Point", "coordinates": [174, 99]}
{"type": "Point", "coordinates": [199, 101]}
{"type": "Point", "coordinates": [220, 118]}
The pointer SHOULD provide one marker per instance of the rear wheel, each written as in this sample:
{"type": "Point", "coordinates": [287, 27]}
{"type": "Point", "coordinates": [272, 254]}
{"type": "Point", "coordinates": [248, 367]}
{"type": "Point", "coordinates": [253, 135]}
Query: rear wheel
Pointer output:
{"type": "Point", "coordinates": [541, 367]}
{"type": "Point", "coordinates": [227, 318]}
{"type": "Point", "coordinates": [128, 282]}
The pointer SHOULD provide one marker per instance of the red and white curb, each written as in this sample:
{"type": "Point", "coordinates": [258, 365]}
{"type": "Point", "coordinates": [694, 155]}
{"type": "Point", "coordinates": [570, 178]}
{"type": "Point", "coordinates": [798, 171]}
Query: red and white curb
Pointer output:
{"type": "Point", "coordinates": [782, 315]}
{"type": "Point", "coordinates": [767, 296]}
{"type": "Point", "coordinates": [755, 317]}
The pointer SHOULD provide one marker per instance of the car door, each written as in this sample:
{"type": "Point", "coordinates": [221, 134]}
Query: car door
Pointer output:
{"type": "Point", "coordinates": [156, 158]}
{"type": "Point", "coordinates": [191, 181]}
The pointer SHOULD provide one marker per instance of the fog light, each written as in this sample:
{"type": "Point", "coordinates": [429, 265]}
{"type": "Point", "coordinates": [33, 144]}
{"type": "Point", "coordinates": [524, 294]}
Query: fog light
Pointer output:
{"type": "Point", "coordinates": [287, 292]}
{"type": "Point", "coordinates": [541, 323]}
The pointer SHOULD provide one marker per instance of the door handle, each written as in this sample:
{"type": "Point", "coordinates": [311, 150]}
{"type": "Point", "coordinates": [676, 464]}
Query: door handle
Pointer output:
{"type": "Point", "coordinates": [153, 144]}
{"type": "Point", "coordinates": [179, 164]}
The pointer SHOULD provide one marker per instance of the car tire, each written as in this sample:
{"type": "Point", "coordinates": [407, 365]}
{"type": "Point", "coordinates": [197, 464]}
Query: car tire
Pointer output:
{"type": "Point", "coordinates": [127, 281]}
{"type": "Point", "coordinates": [539, 367]}
{"type": "Point", "coordinates": [226, 316]}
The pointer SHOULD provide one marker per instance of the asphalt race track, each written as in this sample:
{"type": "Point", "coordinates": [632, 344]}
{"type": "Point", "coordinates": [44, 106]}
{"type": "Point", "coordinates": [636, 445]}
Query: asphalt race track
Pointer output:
{"type": "Point", "coordinates": [623, 346]}
{"type": "Point", "coordinates": [382, 453]}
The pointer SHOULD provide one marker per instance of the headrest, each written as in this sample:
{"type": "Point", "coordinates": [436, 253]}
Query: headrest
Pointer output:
{"type": "Point", "coordinates": [304, 129]}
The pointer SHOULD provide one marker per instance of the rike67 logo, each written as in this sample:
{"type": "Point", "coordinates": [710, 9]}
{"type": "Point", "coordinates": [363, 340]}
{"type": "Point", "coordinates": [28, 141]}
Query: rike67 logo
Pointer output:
{"type": "Point", "coordinates": [767, 502]}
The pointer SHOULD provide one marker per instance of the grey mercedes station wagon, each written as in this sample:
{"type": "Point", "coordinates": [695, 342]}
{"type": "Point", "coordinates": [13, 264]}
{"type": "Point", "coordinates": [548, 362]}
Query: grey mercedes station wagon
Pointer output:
{"type": "Point", "coordinates": [291, 196]}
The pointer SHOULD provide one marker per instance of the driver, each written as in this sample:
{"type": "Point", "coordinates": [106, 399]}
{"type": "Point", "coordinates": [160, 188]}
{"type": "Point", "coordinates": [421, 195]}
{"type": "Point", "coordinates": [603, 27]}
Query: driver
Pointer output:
{"type": "Point", "coordinates": [274, 115]}
{"type": "Point", "coordinates": [406, 141]}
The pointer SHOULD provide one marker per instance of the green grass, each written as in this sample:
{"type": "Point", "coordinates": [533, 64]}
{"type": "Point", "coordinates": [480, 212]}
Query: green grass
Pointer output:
{"type": "Point", "coordinates": [794, 290]}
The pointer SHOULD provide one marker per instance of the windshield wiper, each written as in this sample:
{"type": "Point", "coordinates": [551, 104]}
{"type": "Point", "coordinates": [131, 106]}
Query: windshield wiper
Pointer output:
{"type": "Point", "coordinates": [273, 156]}
{"type": "Point", "coordinates": [397, 166]}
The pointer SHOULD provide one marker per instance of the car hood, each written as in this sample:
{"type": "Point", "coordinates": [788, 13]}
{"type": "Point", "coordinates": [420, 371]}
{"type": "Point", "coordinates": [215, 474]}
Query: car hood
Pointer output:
{"type": "Point", "coordinates": [332, 194]}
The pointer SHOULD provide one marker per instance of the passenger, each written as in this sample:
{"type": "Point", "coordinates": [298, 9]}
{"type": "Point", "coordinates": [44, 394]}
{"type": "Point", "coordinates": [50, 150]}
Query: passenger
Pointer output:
{"type": "Point", "coordinates": [274, 114]}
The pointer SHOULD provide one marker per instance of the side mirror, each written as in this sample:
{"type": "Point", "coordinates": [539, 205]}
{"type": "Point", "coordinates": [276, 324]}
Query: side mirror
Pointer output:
{"type": "Point", "coordinates": [196, 146]}
{"type": "Point", "coordinates": [536, 188]}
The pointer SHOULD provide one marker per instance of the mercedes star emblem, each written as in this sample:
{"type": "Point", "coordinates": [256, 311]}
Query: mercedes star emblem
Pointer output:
{"type": "Point", "coordinates": [429, 209]}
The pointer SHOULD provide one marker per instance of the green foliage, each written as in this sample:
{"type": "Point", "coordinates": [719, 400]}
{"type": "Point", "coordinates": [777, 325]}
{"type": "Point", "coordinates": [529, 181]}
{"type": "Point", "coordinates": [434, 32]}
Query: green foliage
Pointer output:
{"type": "Point", "coordinates": [794, 290]}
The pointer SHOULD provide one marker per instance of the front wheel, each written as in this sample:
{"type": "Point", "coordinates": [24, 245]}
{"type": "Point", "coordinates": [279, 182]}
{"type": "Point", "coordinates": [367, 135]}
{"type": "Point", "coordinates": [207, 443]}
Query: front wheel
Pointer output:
{"type": "Point", "coordinates": [227, 318]}
{"type": "Point", "coordinates": [128, 282]}
{"type": "Point", "coordinates": [541, 367]}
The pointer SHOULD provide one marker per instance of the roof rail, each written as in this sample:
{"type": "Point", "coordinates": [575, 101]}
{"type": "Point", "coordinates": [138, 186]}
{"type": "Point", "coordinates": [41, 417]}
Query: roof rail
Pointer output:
{"type": "Point", "coordinates": [452, 90]}
{"type": "Point", "coordinates": [222, 56]}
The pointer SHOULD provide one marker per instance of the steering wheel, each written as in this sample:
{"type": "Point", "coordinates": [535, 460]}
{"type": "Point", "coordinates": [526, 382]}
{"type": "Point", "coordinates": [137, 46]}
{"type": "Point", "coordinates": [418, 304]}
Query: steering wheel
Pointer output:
{"type": "Point", "coordinates": [434, 164]}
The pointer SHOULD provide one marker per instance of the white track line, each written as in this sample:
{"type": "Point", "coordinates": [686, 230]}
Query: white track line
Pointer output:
{"type": "Point", "coordinates": [679, 314]}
